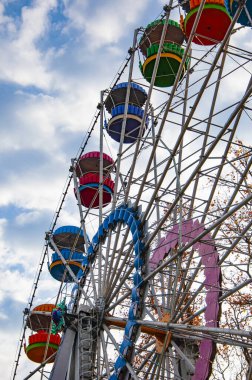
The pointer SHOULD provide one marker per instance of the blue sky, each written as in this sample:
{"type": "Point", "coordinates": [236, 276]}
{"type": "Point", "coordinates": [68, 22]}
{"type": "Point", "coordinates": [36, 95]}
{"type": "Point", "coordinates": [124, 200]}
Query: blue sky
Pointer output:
{"type": "Point", "coordinates": [56, 57]}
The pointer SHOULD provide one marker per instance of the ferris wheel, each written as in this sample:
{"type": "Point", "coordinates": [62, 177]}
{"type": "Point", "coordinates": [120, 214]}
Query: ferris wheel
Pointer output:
{"type": "Point", "coordinates": [154, 278]}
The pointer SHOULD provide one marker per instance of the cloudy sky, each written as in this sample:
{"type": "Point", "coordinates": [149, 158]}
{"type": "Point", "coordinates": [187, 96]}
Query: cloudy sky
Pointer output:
{"type": "Point", "coordinates": [56, 57]}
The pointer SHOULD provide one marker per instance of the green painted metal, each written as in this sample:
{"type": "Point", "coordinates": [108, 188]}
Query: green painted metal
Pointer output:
{"type": "Point", "coordinates": [168, 66]}
{"type": "Point", "coordinates": [42, 344]}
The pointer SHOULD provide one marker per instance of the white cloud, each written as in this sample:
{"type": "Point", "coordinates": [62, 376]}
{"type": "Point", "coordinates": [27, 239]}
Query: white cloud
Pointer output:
{"type": "Point", "coordinates": [27, 217]}
{"type": "Point", "coordinates": [32, 193]}
{"type": "Point", "coordinates": [22, 61]}
{"type": "Point", "coordinates": [3, 316]}
{"type": "Point", "coordinates": [19, 287]}
{"type": "Point", "coordinates": [6, 23]}
{"type": "Point", "coordinates": [231, 89]}
{"type": "Point", "coordinates": [3, 223]}
{"type": "Point", "coordinates": [34, 22]}
{"type": "Point", "coordinates": [108, 22]}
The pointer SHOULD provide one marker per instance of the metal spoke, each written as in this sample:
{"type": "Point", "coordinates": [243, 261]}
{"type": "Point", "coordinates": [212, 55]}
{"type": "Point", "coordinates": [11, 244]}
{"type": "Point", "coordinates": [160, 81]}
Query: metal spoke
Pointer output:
{"type": "Point", "coordinates": [161, 289]}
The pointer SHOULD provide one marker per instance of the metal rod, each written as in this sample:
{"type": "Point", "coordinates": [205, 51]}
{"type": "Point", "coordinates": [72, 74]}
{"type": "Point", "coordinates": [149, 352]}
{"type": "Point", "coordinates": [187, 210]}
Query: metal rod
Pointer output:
{"type": "Point", "coordinates": [212, 108]}
{"type": "Point", "coordinates": [69, 270]}
{"type": "Point", "coordinates": [40, 366]}
{"type": "Point", "coordinates": [153, 78]}
{"type": "Point", "coordinates": [119, 154]}
{"type": "Point", "coordinates": [82, 220]}
{"type": "Point", "coordinates": [183, 356]}
{"type": "Point", "coordinates": [128, 365]}
{"type": "Point", "coordinates": [155, 168]}
{"type": "Point", "coordinates": [100, 195]}
{"type": "Point", "coordinates": [170, 326]}
{"type": "Point", "coordinates": [104, 348]}
{"type": "Point", "coordinates": [200, 93]}
{"type": "Point", "coordinates": [221, 298]}
{"type": "Point", "coordinates": [202, 161]}
{"type": "Point", "coordinates": [117, 272]}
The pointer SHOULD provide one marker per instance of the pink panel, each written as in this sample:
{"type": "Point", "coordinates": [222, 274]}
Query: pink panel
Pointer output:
{"type": "Point", "coordinates": [209, 258]}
